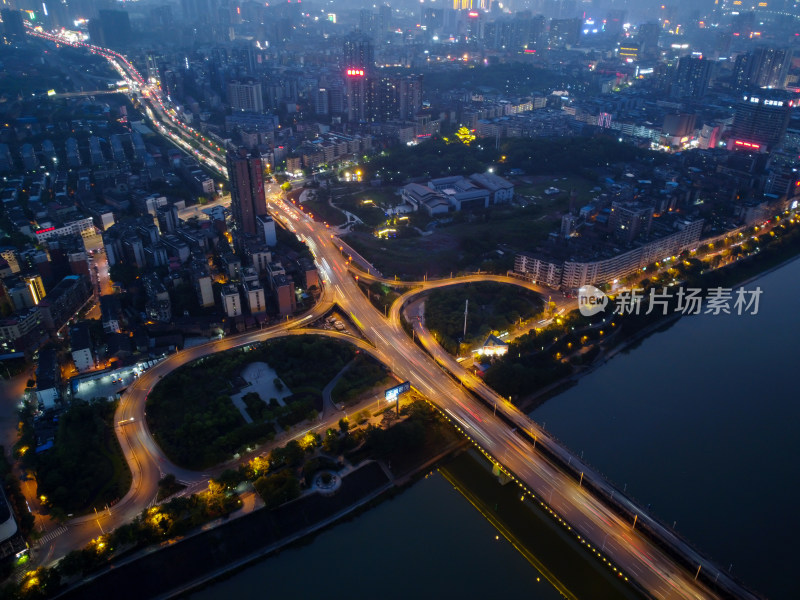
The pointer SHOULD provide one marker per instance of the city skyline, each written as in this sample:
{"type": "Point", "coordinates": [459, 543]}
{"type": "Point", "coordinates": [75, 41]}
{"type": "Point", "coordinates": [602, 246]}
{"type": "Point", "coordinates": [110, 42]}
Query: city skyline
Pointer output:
{"type": "Point", "coordinates": [263, 264]}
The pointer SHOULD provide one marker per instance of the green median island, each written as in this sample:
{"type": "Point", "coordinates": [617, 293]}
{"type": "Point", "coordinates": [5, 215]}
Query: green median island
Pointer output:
{"type": "Point", "coordinates": [494, 308]}
{"type": "Point", "coordinates": [204, 412]}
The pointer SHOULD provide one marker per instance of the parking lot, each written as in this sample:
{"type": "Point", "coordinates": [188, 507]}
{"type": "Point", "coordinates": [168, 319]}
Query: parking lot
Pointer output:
{"type": "Point", "coordinates": [106, 384]}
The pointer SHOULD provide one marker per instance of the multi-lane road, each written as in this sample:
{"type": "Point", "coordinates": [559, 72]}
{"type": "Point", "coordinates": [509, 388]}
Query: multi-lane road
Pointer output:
{"type": "Point", "coordinates": [633, 554]}
{"type": "Point", "coordinates": [472, 406]}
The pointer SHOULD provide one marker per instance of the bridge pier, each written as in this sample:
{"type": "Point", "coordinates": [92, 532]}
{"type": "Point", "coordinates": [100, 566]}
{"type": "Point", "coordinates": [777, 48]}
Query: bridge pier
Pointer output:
{"type": "Point", "coordinates": [501, 476]}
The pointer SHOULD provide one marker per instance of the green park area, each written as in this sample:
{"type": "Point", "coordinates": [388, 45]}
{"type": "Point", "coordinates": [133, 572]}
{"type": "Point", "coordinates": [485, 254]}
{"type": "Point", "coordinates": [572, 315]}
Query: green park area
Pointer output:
{"type": "Point", "coordinates": [289, 473]}
{"type": "Point", "coordinates": [535, 189]}
{"type": "Point", "coordinates": [483, 239]}
{"type": "Point", "coordinates": [458, 242]}
{"type": "Point", "coordinates": [493, 308]}
{"type": "Point", "coordinates": [367, 204]}
{"type": "Point", "coordinates": [85, 467]}
{"type": "Point", "coordinates": [317, 203]}
{"type": "Point", "coordinates": [194, 419]}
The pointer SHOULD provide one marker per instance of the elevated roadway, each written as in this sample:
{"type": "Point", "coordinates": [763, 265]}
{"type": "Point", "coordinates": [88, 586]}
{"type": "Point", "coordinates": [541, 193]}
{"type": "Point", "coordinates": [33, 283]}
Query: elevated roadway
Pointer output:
{"type": "Point", "coordinates": [528, 453]}
{"type": "Point", "coordinates": [576, 500]}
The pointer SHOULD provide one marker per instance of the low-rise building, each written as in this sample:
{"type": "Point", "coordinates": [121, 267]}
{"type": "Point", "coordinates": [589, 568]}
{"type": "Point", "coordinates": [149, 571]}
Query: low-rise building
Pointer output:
{"type": "Point", "coordinates": [159, 305]}
{"type": "Point", "coordinates": [48, 378]}
{"type": "Point", "coordinates": [110, 313]}
{"type": "Point", "coordinates": [283, 288]}
{"type": "Point", "coordinates": [203, 285]}
{"type": "Point", "coordinates": [64, 300]}
{"type": "Point", "coordinates": [231, 301]}
{"type": "Point", "coordinates": [16, 330]}
{"type": "Point", "coordinates": [256, 300]}
{"type": "Point", "coordinates": [81, 347]}
{"type": "Point", "coordinates": [83, 226]}
{"type": "Point", "coordinates": [572, 274]}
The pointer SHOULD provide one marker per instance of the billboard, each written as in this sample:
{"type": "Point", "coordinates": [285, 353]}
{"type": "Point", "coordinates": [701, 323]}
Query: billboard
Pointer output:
{"type": "Point", "coordinates": [393, 393]}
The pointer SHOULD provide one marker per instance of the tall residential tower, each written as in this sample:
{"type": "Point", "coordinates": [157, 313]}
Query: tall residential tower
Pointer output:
{"type": "Point", "coordinates": [248, 199]}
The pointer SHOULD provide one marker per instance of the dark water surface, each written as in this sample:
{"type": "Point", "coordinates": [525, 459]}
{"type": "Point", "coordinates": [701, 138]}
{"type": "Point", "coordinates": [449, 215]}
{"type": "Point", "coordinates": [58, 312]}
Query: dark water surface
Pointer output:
{"type": "Point", "coordinates": [702, 421]}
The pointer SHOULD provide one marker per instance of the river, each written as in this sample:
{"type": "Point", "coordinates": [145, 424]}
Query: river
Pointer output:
{"type": "Point", "coordinates": [701, 421]}
{"type": "Point", "coordinates": [427, 542]}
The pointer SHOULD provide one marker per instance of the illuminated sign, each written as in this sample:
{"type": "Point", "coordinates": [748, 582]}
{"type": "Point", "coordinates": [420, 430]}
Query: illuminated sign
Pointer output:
{"type": "Point", "coordinates": [530, 51]}
{"type": "Point", "coordinates": [743, 144]}
{"type": "Point", "coordinates": [392, 393]}
{"type": "Point", "coordinates": [355, 72]}
{"type": "Point", "coordinates": [45, 230]}
{"type": "Point", "coordinates": [473, 15]}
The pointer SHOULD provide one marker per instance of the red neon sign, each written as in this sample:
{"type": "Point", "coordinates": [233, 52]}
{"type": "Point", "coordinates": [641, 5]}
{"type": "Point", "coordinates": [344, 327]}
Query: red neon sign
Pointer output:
{"type": "Point", "coordinates": [473, 15]}
{"type": "Point", "coordinates": [355, 72]}
{"type": "Point", "coordinates": [530, 51]}
{"type": "Point", "coordinates": [45, 230]}
{"type": "Point", "coordinates": [746, 144]}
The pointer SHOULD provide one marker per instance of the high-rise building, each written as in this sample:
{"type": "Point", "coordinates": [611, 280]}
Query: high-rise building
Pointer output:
{"type": "Point", "coordinates": [359, 53]}
{"type": "Point", "coordinates": [522, 32]}
{"type": "Point", "coordinates": [629, 220]}
{"type": "Point", "coordinates": [321, 104]}
{"type": "Point", "coordinates": [384, 19]}
{"type": "Point", "coordinates": [383, 99]}
{"type": "Point", "coordinates": [203, 11]}
{"type": "Point", "coordinates": [13, 26]}
{"type": "Point", "coordinates": [614, 21]}
{"type": "Point", "coordinates": [245, 96]}
{"type": "Point", "coordinates": [760, 120]}
{"type": "Point", "coordinates": [357, 93]}
{"type": "Point", "coordinates": [248, 200]}
{"type": "Point", "coordinates": [365, 21]}
{"type": "Point", "coordinates": [359, 60]}
{"type": "Point", "coordinates": [692, 77]}
{"type": "Point", "coordinates": [565, 31]}
{"type": "Point", "coordinates": [432, 18]}
{"type": "Point", "coordinates": [394, 98]}
{"type": "Point", "coordinates": [763, 67]}
{"type": "Point", "coordinates": [409, 96]}
{"type": "Point", "coordinates": [647, 37]}
{"type": "Point", "coordinates": [111, 28]}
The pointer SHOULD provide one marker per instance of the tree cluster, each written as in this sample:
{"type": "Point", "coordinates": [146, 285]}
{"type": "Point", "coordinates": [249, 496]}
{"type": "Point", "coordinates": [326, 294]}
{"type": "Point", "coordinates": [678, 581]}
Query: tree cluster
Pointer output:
{"type": "Point", "coordinates": [194, 420]}
{"type": "Point", "coordinates": [492, 307]}
{"type": "Point", "coordinates": [79, 471]}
